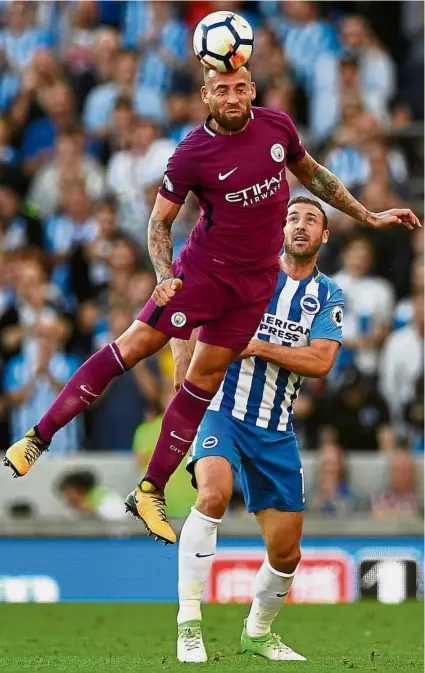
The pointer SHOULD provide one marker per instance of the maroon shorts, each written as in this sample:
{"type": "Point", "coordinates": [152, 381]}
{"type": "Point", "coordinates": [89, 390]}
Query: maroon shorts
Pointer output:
{"type": "Point", "coordinates": [227, 306]}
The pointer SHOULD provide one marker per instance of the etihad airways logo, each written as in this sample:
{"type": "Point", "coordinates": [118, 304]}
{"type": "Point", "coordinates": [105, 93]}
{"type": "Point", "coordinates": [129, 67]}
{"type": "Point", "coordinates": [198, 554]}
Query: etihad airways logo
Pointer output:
{"type": "Point", "coordinates": [258, 192]}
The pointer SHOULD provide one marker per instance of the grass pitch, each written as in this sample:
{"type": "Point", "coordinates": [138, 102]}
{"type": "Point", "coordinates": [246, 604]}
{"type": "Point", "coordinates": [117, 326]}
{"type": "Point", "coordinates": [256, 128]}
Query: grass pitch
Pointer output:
{"type": "Point", "coordinates": [141, 637]}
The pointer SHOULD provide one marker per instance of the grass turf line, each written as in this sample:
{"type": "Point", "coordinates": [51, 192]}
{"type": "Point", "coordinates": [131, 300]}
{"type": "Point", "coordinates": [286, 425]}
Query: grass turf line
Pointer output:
{"type": "Point", "coordinates": [74, 637]}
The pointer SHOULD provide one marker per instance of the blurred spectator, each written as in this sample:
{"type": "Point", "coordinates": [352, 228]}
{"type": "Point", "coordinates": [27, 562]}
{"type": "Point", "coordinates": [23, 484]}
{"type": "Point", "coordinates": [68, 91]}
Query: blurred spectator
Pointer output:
{"type": "Point", "coordinates": [90, 268]}
{"type": "Point", "coordinates": [152, 28]}
{"type": "Point", "coordinates": [412, 72]}
{"type": "Point", "coordinates": [33, 379]}
{"type": "Point", "coordinates": [128, 171]}
{"type": "Point", "coordinates": [333, 495]}
{"type": "Point", "coordinates": [403, 314]}
{"type": "Point", "coordinates": [74, 224]}
{"type": "Point", "coordinates": [363, 71]}
{"type": "Point", "coordinates": [124, 262]}
{"type": "Point", "coordinates": [69, 165]}
{"type": "Point", "coordinates": [305, 36]}
{"type": "Point", "coordinates": [100, 69]}
{"type": "Point", "coordinates": [40, 136]}
{"type": "Point", "coordinates": [359, 415]}
{"type": "Point", "coordinates": [180, 493]}
{"type": "Point", "coordinates": [125, 404]}
{"type": "Point", "coordinates": [20, 38]}
{"type": "Point", "coordinates": [120, 135]}
{"type": "Point", "coordinates": [382, 188]}
{"type": "Point", "coordinates": [369, 305]}
{"type": "Point", "coordinates": [78, 33]}
{"type": "Point", "coordinates": [359, 154]}
{"type": "Point", "coordinates": [402, 364]}
{"type": "Point", "coordinates": [20, 227]}
{"type": "Point", "coordinates": [414, 417]}
{"type": "Point", "coordinates": [35, 302]}
{"type": "Point", "coordinates": [401, 499]}
{"type": "Point", "coordinates": [82, 493]}
{"type": "Point", "coordinates": [140, 288]}
{"type": "Point", "coordinates": [37, 81]}
{"type": "Point", "coordinates": [100, 102]}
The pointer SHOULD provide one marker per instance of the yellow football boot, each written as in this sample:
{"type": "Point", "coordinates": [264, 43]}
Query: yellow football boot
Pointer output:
{"type": "Point", "coordinates": [147, 503]}
{"type": "Point", "coordinates": [22, 455]}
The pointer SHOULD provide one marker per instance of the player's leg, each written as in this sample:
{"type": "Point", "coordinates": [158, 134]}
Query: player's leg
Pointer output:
{"type": "Point", "coordinates": [213, 477]}
{"type": "Point", "coordinates": [179, 427]}
{"type": "Point", "coordinates": [219, 341]}
{"type": "Point", "coordinates": [83, 389]}
{"type": "Point", "coordinates": [282, 534]}
{"type": "Point", "coordinates": [273, 488]}
{"type": "Point", "coordinates": [197, 547]}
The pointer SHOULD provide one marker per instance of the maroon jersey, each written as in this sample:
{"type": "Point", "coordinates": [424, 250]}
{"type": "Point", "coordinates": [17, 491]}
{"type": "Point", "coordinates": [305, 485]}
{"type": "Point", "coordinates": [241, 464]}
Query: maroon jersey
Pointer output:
{"type": "Point", "coordinates": [239, 181]}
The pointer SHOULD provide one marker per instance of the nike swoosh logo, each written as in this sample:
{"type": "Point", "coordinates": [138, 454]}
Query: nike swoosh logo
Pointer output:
{"type": "Point", "coordinates": [282, 595]}
{"type": "Point", "coordinates": [88, 392]}
{"type": "Point", "coordinates": [226, 175]}
{"type": "Point", "coordinates": [173, 434]}
{"type": "Point", "coordinates": [204, 555]}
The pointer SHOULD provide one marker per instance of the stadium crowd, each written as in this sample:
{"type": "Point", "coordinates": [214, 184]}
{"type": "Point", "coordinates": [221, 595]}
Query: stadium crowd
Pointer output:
{"type": "Point", "coordinates": [94, 97]}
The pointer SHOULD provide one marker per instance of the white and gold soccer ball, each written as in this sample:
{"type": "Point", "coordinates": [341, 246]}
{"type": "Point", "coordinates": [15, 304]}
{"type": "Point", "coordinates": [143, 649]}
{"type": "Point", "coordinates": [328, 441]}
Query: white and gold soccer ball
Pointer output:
{"type": "Point", "coordinates": [223, 41]}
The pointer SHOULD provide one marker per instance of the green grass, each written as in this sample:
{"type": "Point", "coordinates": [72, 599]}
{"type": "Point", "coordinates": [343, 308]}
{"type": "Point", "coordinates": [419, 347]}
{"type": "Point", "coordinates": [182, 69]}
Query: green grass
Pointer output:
{"type": "Point", "coordinates": [141, 637]}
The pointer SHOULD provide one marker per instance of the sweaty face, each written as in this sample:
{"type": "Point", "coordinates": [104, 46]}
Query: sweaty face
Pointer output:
{"type": "Point", "coordinates": [304, 233]}
{"type": "Point", "coordinates": [229, 97]}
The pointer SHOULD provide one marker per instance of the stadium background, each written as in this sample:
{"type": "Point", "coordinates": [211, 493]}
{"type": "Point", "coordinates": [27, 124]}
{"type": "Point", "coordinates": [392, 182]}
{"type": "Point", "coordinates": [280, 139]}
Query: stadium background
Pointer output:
{"type": "Point", "coordinates": [94, 97]}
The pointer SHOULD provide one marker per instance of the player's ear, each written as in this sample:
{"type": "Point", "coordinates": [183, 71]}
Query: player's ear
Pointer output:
{"type": "Point", "coordinates": [204, 94]}
{"type": "Point", "coordinates": [325, 236]}
{"type": "Point", "coordinates": [253, 91]}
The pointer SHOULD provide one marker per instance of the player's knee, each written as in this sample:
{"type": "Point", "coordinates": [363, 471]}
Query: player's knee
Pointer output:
{"type": "Point", "coordinates": [212, 501]}
{"type": "Point", "coordinates": [284, 557]}
{"type": "Point", "coordinates": [138, 342]}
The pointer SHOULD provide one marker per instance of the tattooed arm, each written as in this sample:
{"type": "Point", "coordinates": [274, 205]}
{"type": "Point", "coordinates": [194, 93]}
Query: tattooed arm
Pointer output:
{"type": "Point", "coordinates": [160, 245]}
{"type": "Point", "coordinates": [323, 184]}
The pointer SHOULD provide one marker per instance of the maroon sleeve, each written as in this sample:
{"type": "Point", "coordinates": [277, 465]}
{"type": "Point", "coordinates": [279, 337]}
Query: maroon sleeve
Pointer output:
{"type": "Point", "coordinates": [180, 176]}
{"type": "Point", "coordinates": [295, 151]}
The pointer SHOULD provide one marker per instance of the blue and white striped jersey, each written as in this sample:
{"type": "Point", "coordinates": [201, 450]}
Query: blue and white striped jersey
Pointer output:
{"type": "Point", "coordinates": [263, 394]}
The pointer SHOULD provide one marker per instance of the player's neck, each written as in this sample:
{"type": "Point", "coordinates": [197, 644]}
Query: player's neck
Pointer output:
{"type": "Point", "coordinates": [297, 269]}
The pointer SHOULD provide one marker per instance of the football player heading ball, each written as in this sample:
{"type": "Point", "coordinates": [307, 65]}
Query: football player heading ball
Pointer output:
{"type": "Point", "coordinates": [235, 165]}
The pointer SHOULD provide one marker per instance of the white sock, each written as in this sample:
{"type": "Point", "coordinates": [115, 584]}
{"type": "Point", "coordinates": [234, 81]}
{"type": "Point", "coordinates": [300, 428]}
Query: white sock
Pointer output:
{"type": "Point", "coordinates": [197, 545]}
{"type": "Point", "coordinates": [270, 587]}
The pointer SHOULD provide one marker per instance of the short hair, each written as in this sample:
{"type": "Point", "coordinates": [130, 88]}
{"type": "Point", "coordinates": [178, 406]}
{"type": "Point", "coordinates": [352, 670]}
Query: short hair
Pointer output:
{"type": "Point", "coordinates": [83, 481]}
{"type": "Point", "coordinates": [207, 70]}
{"type": "Point", "coordinates": [311, 202]}
{"type": "Point", "coordinates": [359, 236]}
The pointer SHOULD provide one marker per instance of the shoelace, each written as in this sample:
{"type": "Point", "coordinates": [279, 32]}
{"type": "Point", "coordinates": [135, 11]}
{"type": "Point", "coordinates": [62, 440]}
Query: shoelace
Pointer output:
{"type": "Point", "coordinates": [34, 450]}
{"type": "Point", "coordinates": [278, 645]}
{"type": "Point", "coordinates": [160, 506]}
{"type": "Point", "coordinates": [191, 637]}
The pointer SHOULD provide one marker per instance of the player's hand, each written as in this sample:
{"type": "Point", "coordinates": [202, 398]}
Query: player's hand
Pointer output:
{"type": "Point", "coordinates": [250, 350]}
{"type": "Point", "coordinates": [166, 290]}
{"type": "Point", "coordinates": [388, 218]}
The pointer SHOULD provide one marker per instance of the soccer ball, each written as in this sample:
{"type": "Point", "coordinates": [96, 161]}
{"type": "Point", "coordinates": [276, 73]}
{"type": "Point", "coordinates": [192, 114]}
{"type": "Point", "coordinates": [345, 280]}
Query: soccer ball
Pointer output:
{"type": "Point", "coordinates": [223, 41]}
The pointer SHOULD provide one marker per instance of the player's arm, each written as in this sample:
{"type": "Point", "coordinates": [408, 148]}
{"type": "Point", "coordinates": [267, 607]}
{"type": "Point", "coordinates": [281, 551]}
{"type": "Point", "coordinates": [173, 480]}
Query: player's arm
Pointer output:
{"type": "Point", "coordinates": [160, 245]}
{"type": "Point", "coordinates": [314, 361]}
{"type": "Point", "coordinates": [326, 186]}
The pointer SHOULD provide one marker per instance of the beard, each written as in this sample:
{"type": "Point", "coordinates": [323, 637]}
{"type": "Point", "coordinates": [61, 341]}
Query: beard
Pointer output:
{"type": "Point", "coordinates": [231, 123]}
{"type": "Point", "coordinates": [305, 253]}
